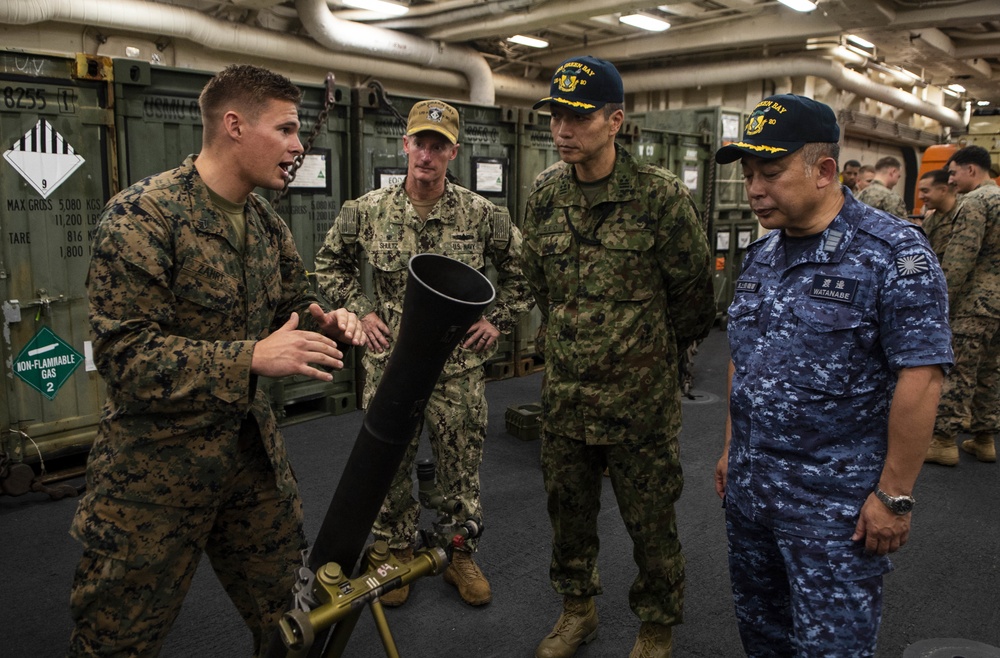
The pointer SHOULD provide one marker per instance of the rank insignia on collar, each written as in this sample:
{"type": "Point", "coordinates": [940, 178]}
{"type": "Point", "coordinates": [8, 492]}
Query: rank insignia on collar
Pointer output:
{"type": "Point", "coordinates": [912, 264]}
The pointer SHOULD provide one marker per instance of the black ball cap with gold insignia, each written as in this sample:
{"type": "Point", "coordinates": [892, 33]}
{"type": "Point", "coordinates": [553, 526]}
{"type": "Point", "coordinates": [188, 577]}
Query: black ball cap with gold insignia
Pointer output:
{"type": "Point", "coordinates": [584, 85]}
{"type": "Point", "coordinates": [780, 125]}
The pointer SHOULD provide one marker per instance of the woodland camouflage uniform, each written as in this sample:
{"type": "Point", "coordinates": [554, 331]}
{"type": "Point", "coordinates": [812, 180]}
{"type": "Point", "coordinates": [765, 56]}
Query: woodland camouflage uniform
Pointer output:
{"type": "Point", "coordinates": [187, 455]}
{"type": "Point", "coordinates": [877, 195]}
{"type": "Point", "coordinates": [970, 258]}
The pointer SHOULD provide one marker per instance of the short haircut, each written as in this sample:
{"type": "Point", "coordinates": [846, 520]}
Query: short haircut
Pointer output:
{"type": "Point", "coordinates": [243, 87]}
{"type": "Point", "coordinates": [888, 162]}
{"type": "Point", "coordinates": [812, 152]}
{"type": "Point", "coordinates": [611, 108]}
{"type": "Point", "coordinates": [865, 169]}
{"type": "Point", "coordinates": [976, 155]}
{"type": "Point", "coordinates": [852, 163]}
{"type": "Point", "coordinates": [937, 176]}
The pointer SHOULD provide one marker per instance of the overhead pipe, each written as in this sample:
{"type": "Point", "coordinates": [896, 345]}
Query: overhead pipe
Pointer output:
{"type": "Point", "coordinates": [361, 39]}
{"type": "Point", "coordinates": [704, 75]}
{"type": "Point", "coordinates": [191, 25]}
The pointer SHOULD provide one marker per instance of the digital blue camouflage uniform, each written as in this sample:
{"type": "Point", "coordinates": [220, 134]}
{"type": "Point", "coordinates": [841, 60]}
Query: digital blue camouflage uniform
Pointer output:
{"type": "Point", "coordinates": [383, 227]}
{"type": "Point", "coordinates": [621, 283]}
{"type": "Point", "coordinates": [817, 346]}
{"type": "Point", "coordinates": [969, 249]}
{"type": "Point", "coordinates": [878, 196]}
{"type": "Point", "coordinates": [187, 455]}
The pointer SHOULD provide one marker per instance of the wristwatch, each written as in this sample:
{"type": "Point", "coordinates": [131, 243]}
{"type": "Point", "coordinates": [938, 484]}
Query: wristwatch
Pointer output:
{"type": "Point", "coordinates": [897, 504]}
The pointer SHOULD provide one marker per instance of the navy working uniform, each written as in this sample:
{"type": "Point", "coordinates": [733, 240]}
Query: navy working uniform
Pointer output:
{"type": "Point", "coordinates": [817, 341]}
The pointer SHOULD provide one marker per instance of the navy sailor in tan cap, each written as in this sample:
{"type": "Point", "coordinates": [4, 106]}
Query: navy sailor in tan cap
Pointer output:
{"type": "Point", "coordinates": [428, 214]}
{"type": "Point", "coordinates": [619, 266]}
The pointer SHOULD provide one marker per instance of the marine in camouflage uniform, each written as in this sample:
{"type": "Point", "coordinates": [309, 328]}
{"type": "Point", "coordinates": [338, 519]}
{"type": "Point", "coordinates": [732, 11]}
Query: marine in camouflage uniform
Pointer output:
{"type": "Point", "coordinates": [622, 280]}
{"type": "Point", "coordinates": [877, 195]}
{"type": "Point", "coordinates": [825, 328]}
{"type": "Point", "coordinates": [969, 249]}
{"type": "Point", "coordinates": [187, 456]}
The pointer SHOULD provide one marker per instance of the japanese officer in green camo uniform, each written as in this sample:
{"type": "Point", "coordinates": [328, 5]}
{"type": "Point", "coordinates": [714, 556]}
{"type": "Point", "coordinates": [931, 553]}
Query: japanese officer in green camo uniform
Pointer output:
{"type": "Point", "coordinates": [428, 214]}
{"type": "Point", "coordinates": [196, 290]}
{"type": "Point", "coordinates": [619, 265]}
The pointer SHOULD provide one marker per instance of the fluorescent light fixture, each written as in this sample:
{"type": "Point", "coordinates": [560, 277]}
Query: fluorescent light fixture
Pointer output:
{"type": "Point", "coordinates": [528, 41]}
{"type": "Point", "coordinates": [950, 92]}
{"type": "Point", "coordinates": [957, 88]}
{"type": "Point", "coordinates": [378, 6]}
{"type": "Point", "coordinates": [799, 5]}
{"type": "Point", "coordinates": [982, 103]}
{"type": "Point", "coordinates": [644, 22]}
{"type": "Point", "coordinates": [864, 43]}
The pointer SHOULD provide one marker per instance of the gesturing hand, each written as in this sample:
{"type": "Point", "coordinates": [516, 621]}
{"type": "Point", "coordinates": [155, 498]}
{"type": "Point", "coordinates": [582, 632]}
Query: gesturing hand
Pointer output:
{"type": "Point", "coordinates": [291, 351]}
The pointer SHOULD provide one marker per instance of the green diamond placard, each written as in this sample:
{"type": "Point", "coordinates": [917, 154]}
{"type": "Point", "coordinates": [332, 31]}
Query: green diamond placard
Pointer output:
{"type": "Point", "coordinates": [46, 362]}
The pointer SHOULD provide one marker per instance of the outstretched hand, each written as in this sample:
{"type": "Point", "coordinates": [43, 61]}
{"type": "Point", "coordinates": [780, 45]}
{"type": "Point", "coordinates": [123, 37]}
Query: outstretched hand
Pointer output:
{"type": "Point", "coordinates": [292, 351]}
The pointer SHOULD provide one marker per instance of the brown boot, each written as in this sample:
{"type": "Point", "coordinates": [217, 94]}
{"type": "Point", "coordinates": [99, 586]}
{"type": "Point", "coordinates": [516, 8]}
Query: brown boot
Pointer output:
{"type": "Point", "coordinates": [577, 625]}
{"type": "Point", "coordinates": [470, 581]}
{"type": "Point", "coordinates": [654, 641]}
{"type": "Point", "coordinates": [981, 445]}
{"type": "Point", "coordinates": [397, 597]}
{"type": "Point", "coordinates": [942, 451]}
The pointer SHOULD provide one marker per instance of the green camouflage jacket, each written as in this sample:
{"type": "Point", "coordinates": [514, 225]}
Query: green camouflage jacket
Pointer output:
{"type": "Point", "coordinates": [621, 284]}
{"type": "Point", "coordinates": [970, 257]}
{"type": "Point", "coordinates": [176, 311]}
{"type": "Point", "coordinates": [383, 227]}
{"type": "Point", "coordinates": [879, 196]}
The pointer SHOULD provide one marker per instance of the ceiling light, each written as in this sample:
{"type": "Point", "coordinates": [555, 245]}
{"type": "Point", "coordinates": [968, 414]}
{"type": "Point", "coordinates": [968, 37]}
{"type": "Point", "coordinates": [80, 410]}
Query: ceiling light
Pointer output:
{"type": "Point", "coordinates": [864, 43]}
{"type": "Point", "coordinates": [378, 6]}
{"type": "Point", "coordinates": [528, 41]}
{"type": "Point", "coordinates": [799, 5]}
{"type": "Point", "coordinates": [957, 88]}
{"type": "Point", "coordinates": [644, 22]}
{"type": "Point", "coordinates": [950, 92]}
{"type": "Point", "coordinates": [982, 103]}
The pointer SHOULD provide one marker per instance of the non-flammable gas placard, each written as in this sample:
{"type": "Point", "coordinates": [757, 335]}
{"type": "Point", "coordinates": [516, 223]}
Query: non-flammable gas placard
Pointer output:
{"type": "Point", "coordinates": [46, 362]}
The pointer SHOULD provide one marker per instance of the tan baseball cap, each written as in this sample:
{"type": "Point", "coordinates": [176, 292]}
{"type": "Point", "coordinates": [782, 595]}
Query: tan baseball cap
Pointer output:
{"type": "Point", "coordinates": [433, 115]}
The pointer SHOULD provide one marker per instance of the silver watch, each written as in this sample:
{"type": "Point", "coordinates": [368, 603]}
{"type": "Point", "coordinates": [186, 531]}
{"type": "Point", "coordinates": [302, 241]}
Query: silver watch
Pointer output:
{"type": "Point", "coordinates": [897, 504]}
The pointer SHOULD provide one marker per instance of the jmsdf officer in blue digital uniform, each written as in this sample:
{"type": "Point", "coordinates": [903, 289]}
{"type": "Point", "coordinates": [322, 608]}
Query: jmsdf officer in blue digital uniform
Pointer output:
{"type": "Point", "coordinates": [839, 338]}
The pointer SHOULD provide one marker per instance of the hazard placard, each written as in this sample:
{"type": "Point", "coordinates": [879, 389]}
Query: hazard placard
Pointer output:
{"type": "Point", "coordinates": [43, 157]}
{"type": "Point", "coordinates": [46, 362]}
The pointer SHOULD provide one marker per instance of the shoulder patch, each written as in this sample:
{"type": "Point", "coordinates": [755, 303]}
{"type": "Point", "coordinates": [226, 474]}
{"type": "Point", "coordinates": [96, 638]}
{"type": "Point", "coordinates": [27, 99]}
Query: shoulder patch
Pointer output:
{"type": "Point", "coordinates": [912, 264]}
{"type": "Point", "coordinates": [501, 227]}
{"type": "Point", "coordinates": [348, 219]}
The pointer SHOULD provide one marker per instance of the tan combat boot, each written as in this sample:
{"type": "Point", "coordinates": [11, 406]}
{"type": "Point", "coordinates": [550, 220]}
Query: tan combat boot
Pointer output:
{"type": "Point", "coordinates": [397, 597]}
{"type": "Point", "coordinates": [470, 581]}
{"type": "Point", "coordinates": [981, 445]}
{"type": "Point", "coordinates": [577, 625]}
{"type": "Point", "coordinates": [942, 451]}
{"type": "Point", "coordinates": [654, 641]}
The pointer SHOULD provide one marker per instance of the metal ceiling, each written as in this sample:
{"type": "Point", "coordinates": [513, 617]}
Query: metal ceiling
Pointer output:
{"type": "Point", "coordinates": [942, 41]}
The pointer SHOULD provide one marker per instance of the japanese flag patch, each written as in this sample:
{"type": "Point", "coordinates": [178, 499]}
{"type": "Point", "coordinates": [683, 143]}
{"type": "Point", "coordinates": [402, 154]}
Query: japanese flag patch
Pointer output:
{"type": "Point", "coordinates": [912, 264]}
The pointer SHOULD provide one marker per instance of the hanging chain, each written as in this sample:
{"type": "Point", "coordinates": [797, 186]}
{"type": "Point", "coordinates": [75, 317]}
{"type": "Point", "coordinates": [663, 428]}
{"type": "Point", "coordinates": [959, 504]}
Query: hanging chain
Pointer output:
{"type": "Point", "coordinates": [328, 103]}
